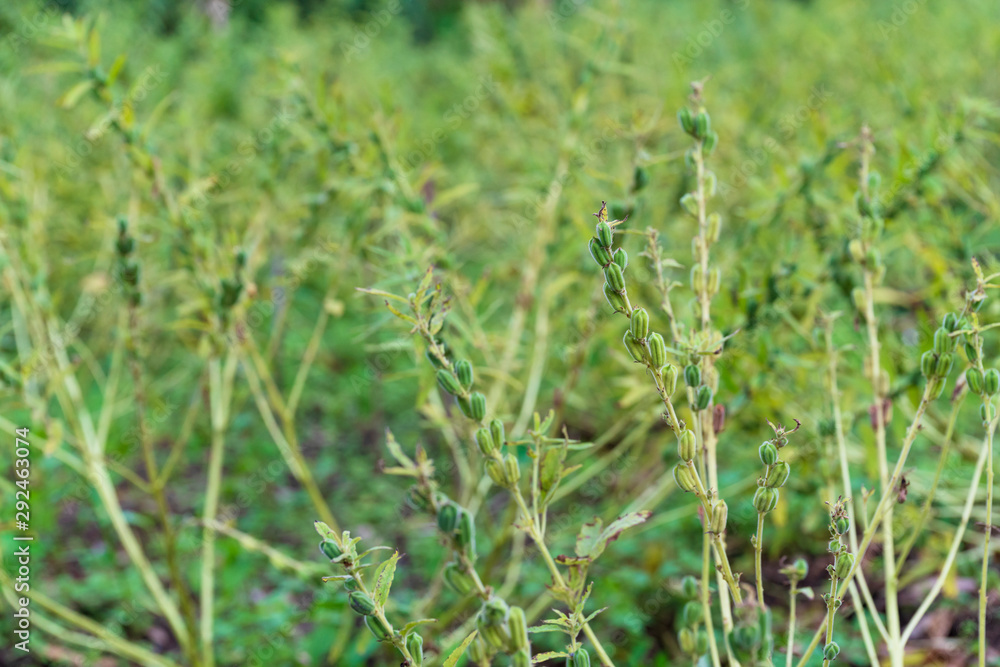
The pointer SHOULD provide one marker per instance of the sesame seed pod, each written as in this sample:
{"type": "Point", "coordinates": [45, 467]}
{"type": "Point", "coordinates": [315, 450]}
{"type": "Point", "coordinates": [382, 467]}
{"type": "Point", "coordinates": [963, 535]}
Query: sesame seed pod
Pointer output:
{"type": "Point", "coordinates": [950, 322]}
{"type": "Point", "coordinates": [463, 369]}
{"type": "Point", "coordinates": [714, 227]}
{"type": "Point", "coordinates": [686, 639]}
{"type": "Point", "coordinates": [685, 478]}
{"type": "Point", "coordinates": [512, 471]}
{"type": "Point", "coordinates": [943, 366]}
{"type": "Point", "coordinates": [330, 549]}
{"type": "Point", "coordinates": [720, 514]}
{"type": "Point", "coordinates": [604, 234]}
{"type": "Point", "coordinates": [686, 120]}
{"type": "Point", "coordinates": [928, 360]}
{"type": "Point", "coordinates": [447, 518]}
{"type": "Point", "coordinates": [639, 324]}
{"type": "Point", "coordinates": [971, 353]}
{"type": "Point", "coordinates": [518, 623]}
{"type": "Point", "coordinates": [448, 382]}
{"type": "Point", "coordinates": [378, 628]}
{"type": "Point", "coordinates": [457, 579]}
{"type": "Point", "coordinates": [415, 646]}
{"type": "Point", "coordinates": [485, 442]}
{"type": "Point", "coordinates": [478, 402]}
{"type": "Point", "coordinates": [616, 300]}
{"type": "Point", "coordinates": [687, 446]}
{"type": "Point", "coordinates": [768, 453]}
{"type": "Point", "coordinates": [831, 651]}
{"type": "Point", "coordinates": [703, 397]}
{"type": "Point", "coordinates": [692, 375]}
{"type": "Point", "coordinates": [496, 431]}
{"type": "Point", "coordinates": [689, 587]}
{"type": "Point", "coordinates": [621, 258]}
{"type": "Point", "coordinates": [494, 469]}
{"type": "Point", "coordinates": [765, 499]}
{"type": "Point", "coordinates": [841, 524]}
{"type": "Point", "coordinates": [465, 536]}
{"type": "Point", "coordinates": [777, 475]}
{"type": "Point", "coordinates": [633, 346]}
{"type": "Point", "coordinates": [702, 124]}
{"type": "Point", "coordinates": [616, 279]}
{"type": "Point", "coordinates": [711, 140]}
{"type": "Point", "coordinates": [690, 204]}
{"type": "Point", "coordinates": [600, 254]}
{"type": "Point", "coordinates": [521, 659]}
{"type": "Point", "coordinates": [669, 372]}
{"type": "Point", "coordinates": [361, 603]}
{"type": "Point", "coordinates": [657, 352]}
{"type": "Point", "coordinates": [943, 342]}
{"type": "Point", "coordinates": [845, 562]}
{"type": "Point", "coordinates": [991, 382]}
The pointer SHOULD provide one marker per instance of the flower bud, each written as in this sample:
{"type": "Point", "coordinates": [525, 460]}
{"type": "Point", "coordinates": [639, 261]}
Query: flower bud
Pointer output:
{"type": "Point", "coordinates": [692, 375]}
{"type": "Point", "coordinates": [485, 442]}
{"type": "Point", "coordinates": [330, 549]}
{"type": "Point", "coordinates": [703, 397]}
{"type": "Point", "coordinates": [634, 347]}
{"type": "Point", "coordinates": [686, 639]}
{"type": "Point", "coordinates": [711, 140]}
{"type": "Point", "coordinates": [841, 524]}
{"type": "Point", "coordinates": [616, 300]}
{"type": "Point", "coordinates": [657, 352]}
{"type": "Point", "coordinates": [494, 469]}
{"type": "Point", "coordinates": [702, 125]}
{"type": "Point", "coordinates": [720, 513]}
{"type": "Point", "coordinates": [690, 204]}
{"type": "Point", "coordinates": [684, 478]}
{"type": "Point", "coordinates": [361, 603]}
{"type": "Point", "coordinates": [613, 274]}
{"type": "Point", "coordinates": [621, 258]}
{"type": "Point", "coordinates": [458, 579]}
{"type": "Point", "coordinates": [686, 120]}
{"type": "Point", "coordinates": [669, 371]}
{"type": "Point", "coordinates": [845, 562]}
{"type": "Point", "coordinates": [687, 446]}
{"type": "Point", "coordinates": [378, 628]}
{"type": "Point", "coordinates": [831, 651]}
{"type": "Point", "coordinates": [600, 254]}
{"type": "Point", "coordinates": [497, 433]}
{"type": "Point", "coordinates": [447, 518]}
{"type": "Point", "coordinates": [991, 382]}
{"type": "Point", "coordinates": [465, 536]}
{"type": "Point", "coordinates": [693, 614]}
{"type": "Point", "coordinates": [765, 499]}
{"type": "Point", "coordinates": [448, 382]}
{"type": "Point", "coordinates": [463, 369]}
{"type": "Point", "coordinates": [518, 628]}
{"type": "Point", "coordinates": [478, 402]}
{"type": "Point", "coordinates": [689, 587]}
{"type": "Point", "coordinates": [512, 471]}
{"type": "Point", "coordinates": [415, 646]}
{"type": "Point", "coordinates": [639, 323]}
{"type": "Point", "coordinates": [928, 361]}
{"type": "Point", "coordinates": [777, 475]}
{"type": "Point", "coordinates": [971, 353]}
{"type": "Point", "coordinates": [943, 366]}
{"type": "Point", "coordinates": [604, 234]}
{"type": "Point", "coordinates": [768, 453]}
{"type": "Point", "coordinates": [943, 342]}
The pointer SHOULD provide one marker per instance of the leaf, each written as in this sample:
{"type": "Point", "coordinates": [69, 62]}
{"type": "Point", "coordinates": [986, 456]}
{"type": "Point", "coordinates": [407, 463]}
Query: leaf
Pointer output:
{"type": "Point", "coordinates": [413, 625]}
{"type": "Point", "coordinates": [73, 95]}
{"type": "Point", "coordinates": [460, 651]}
{"type": "Point", "coordinates": [542, 657]}
{"type": "Point", "coordinates": [382, 293]}
{"type": "Point", "coordinates": [383, 579]}
{"type": "Point", "coordinates": [116, 69]}
{"type": "Point", "coordinates": [397, 451]}
{"type": "Point", "coordinates": [324, 531]}
{"type": "Point", "coordinates": [594, 537]}
{"type": "Point", "coordinates": [94, 48]}
{"type": "Point", "coordinates": [807, 591]}
{"type": "Point", "coordinates": [395, 311]}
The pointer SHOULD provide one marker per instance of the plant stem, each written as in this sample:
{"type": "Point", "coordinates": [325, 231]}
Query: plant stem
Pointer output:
{"type": "Point", "coordinates": [706, 594]}
{"type": "Point", "coordinates": [758, 548]}
{"type": "Point", "coordinates": [987, 528]}
{"type": "Point", "coordinates": [831, 614]}
{"type": "Point", "coordinates": [792, 595]}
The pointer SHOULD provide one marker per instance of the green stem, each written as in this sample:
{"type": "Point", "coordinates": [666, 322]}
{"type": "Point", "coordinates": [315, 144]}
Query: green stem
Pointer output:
{"type": "Point", "coordinates": [790, 650]}
{"type": "Point", "coordinates": [706, 594]}
{"type": "Point", "coordinates": [758, 548]}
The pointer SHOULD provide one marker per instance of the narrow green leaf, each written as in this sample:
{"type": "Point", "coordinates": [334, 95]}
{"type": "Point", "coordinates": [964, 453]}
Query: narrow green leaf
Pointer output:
{"type": "Point", "coordinates": [460, 651]}
{"type": "Point", "coordinates": [73, 95]}
{"type": "Point", "coordinates": [383, 579]}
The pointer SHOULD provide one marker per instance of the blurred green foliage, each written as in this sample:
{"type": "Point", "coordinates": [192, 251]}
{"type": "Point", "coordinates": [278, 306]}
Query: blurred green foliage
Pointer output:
{"type": "Point", "coordinates": [355, 144]}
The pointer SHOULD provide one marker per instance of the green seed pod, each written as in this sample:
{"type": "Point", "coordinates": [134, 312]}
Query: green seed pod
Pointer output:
{"type": "Point", "coordinates": [687, 446]}
{"type": "Point", "coordinates": [701, 642]}
{"type": "Point", "coordinates": [600, 254]}
{"type": "Point", "coordinates": [971, 353]}
{"type": "Point", "coordinates": [684, 478]}
{"type": "Point", "coordinates": [711, 139]}
{"type": "Point", "coordinates": [639, 324]}
{"type": "Point", "coordinates": [928, 361]}
{"type": "Point", "coordinates": [604, 234]}
{"type": "Point", "coordinates": [521, 659]}
{"type": "Point", "coordinates": [697, 278]}
{"type": "Point", "coordinates": [768, 453]}
{"type": "Point", "coordinates": [350, 584]}
{"type": "Point", "coordinates": [465, 536]}
{"type": "Point", "coordinates": [777, 475]}
{"type": "Point", "coordinates": [497, 433]}
{"type": "Point", "coordinates": [975, 381]}
{"type": "Point", "coordinates": [447, 518]}
{"type": "Point", "coordinates": [714, 227]}
{"type": "Point", "coordinates": [658, 354]}
{"type": "Point", "coordinates": [448, 382]}
{"type": "Point", "coordinates": [935, 387]}
{"type": "Point", "coordinates": [703, 398]}
{"type": "Point", "coordinates": [845, 562]}
{"type": "Point", "coordinates": [613, 274]}
{"type": "Point", "coordinates": [463, 369]}
{"type": "Point", "coordinates": [616, 300]}
{"type": "Point", "coordinates": [378, 628]}
{"type": "Point", "coordinates": [982, 413]}
{"type": "Point", "coordinates": [494, 469]}
{"type": "Point", "coordinates": [582, 658]}
{"type": "Point", "coordinates": [458, 579]}
{"type": "Point", "coordinates": [415, 645]}
{"type": "Point", "coordinates": [686, 639]}
{"type": "Point", "coordinates": [991, 382]}
{"type": "Point", "coordinates": [621, 258]}
{"type": "Point", "coordinates": [692, 375]}
{"type": "Point", "coordinates": [841, 524]}
{"type": "Point", "coordinates": [518, 624]}
{"type": "Point", "coordinates": [330, 549]}
{"type": "Point", "coordinates": [478, 402]}
{"type": "Point", "coordinates": [689, 587]}
{"type": "Point", "coordinates": [478, 652]}
{"type": "Point", "coordinates": [512, 471]}
{"type": "Point", "coordinates": [713, 281]}
{"type": "Point", "coordinates": [833, 546]}
{"type": "Point", "coordinates": [720, 513]}
{"type": "Point", "coordinates": [361, 603]}
{"type": "Point", "coordinates": [765, 499]}
{"type": "Point", "coordinates": [800, 568]}
{"type": "Point", "coordinates": [702, 125]}
{"type": "Point", "coordinates": [669, 371]}
{"type": "Point", "coordinates": [690, 204]}
{"type": "Point", "coordinates": [496, 611]}
{"type": "Point", "coordinates": [491, 634]}
{"type": "Point", "coordinates": [943, 366]}
{"type": "Point", "coordinates": [634, 347]}
{"type": "Point", "coordinates": [693, 614]}
{"type": "Point", "coordinates": [943, 342]}
{"type": "Point", "coordinates": [686, 120]}
{"type": "Point", "coordinates": [950, 322]}
{"type": "Point", "coordinates": [485, 442]}
{"type": "Point", "coordinates": [831, 651]}
{"type": "Point", "coordinates": [858, 297]}
{"type": "Point", "coordinates": [465, 404]}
